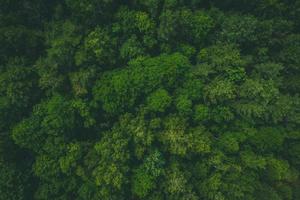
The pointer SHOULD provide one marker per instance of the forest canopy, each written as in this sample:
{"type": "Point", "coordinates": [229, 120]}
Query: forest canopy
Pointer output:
{"type": "Point", "coordinates": [149, 100]}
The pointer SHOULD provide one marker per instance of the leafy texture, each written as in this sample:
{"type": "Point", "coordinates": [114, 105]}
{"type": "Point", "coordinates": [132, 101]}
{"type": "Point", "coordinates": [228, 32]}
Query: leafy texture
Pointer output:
{"type": "Point", "coordinates": [150, 100]}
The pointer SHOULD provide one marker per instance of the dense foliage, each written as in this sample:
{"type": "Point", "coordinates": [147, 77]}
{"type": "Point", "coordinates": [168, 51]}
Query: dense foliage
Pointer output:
{"type": "Point", "coordinates": [150, 99]}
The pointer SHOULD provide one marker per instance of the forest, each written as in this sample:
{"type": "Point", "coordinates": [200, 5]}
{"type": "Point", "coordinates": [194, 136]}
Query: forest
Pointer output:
{"type": "Point", "coordinates": [149, 100]}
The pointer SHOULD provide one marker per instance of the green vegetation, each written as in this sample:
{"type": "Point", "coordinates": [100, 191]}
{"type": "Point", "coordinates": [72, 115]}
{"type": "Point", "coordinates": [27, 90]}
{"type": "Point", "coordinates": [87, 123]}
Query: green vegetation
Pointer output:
{"type": "Point", "coordinates": [149, 100]}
